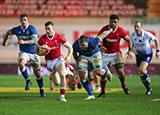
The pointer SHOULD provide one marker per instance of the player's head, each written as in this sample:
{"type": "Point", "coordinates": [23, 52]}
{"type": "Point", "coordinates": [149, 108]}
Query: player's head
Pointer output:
{"type": "Point", "coordinates": [49, 28]}
{"type": "Point", "coordinates": [83, 42]}
{"type": "Point", "coordinates": [24, 20]}
{"type": "Point", "coordinates": [138, 27]}
{"type": "Point", "coordinates": [113, 21]}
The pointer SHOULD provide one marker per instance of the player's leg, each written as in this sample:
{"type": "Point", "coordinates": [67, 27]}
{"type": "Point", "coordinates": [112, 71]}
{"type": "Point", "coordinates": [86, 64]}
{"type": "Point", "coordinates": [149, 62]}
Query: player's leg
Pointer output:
{"type": "Point", "coordinates": [121, 75]}
{"type": "Point", "coordinates": [35, 62]}
{"type": "Point", "coordinates": [96, 81]}
{"type": "Point", "coordinates": [90, 77]}
{"type": "Point", "coordinates": [71, 82]}
{"type": "Point", "coordinates": [142, 63]}
{"type": "Point", "coordinates": [62, 73]}
{"type": "Point", "coordinates": [82, 68]}
{"type": "Point", "coordinates": [103, 72]}
{"type": "Point", "coordinates": [22, 60]}
{"type": "Point", "coordinates": [145, 76]}
{"type": "Point", "coordinates": [119, 66]}
{"type": "Point", "coordinates": [51, 84]}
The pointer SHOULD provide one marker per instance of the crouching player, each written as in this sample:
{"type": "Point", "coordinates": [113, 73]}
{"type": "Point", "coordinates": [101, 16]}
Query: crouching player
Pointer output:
{"type": "Point", "coordinates": [86, 50]}
{"type": "Point", "coordinates": [71, 81]}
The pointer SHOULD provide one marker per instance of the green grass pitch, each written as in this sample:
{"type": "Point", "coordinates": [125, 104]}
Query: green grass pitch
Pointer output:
{"type": "Point", "coordinates": [15, 101]}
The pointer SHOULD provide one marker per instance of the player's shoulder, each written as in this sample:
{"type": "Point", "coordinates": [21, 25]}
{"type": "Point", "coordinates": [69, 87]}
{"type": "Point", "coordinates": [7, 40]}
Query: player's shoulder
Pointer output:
{"type": "Point", "coordinates": [32, 26]}
{"type": "Point", "coordinates": [17, 27]}
{"type": "Point", "coordinates": [133, 34]}
{"type": "Point", "coordinates": [105, 27]}
{"type": "Point", "coordinates": [120, 28]}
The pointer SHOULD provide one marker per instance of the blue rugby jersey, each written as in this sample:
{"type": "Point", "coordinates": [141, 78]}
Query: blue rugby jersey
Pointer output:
{"type": "Point", "coordinates": [25, 35]}
{"type": "Point", "coordinates": [92, 47]}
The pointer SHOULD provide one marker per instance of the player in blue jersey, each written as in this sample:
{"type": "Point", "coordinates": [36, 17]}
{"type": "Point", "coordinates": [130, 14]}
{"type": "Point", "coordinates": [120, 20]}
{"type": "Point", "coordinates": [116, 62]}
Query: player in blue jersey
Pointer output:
{"type": "Point", "coordinates": [141, 40]}
{"type": "Point", "coordinates": [27, 38]}
{"type": "Point", "coordinates": [85, 50]}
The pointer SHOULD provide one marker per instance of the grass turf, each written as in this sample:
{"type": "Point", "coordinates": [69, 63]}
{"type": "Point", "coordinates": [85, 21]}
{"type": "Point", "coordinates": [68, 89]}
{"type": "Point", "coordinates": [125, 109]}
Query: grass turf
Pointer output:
{"type": "Point", "coordinates": [116, 103]}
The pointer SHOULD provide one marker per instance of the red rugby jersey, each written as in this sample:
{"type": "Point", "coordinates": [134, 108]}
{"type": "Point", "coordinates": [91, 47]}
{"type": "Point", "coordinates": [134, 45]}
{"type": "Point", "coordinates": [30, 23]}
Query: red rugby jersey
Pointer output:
{"type": "Point", "coordinates": [54, 43]}
{"type": "Point", "coordinates": [112, 41]}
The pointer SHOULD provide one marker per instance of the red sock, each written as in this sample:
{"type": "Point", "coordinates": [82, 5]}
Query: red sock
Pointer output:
{"type": "Point", "coordinates": [67, 81]}
{"type": "Point", "coordinates": [77, 81]}
{"type": "Point", "coordinates": [122, 80]}
{"type": "Point", "coordinates": [63, 91]}
{"type": "Point", "coordinates": [103, 85]}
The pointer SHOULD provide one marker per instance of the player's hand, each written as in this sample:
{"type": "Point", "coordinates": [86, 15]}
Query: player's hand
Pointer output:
{"type": "Point", "coordinates": [67, 58]}
{"type": "Point", "coordinates": [21, 42]}
{"type": "Point", "coordinates": [130, 54]}
{"type": "Point", "coordinates": [157, 54]}
{"type": "Point", "coordinates": [4, 43]}
{"type": "Point", "coordinates": [102, 49]}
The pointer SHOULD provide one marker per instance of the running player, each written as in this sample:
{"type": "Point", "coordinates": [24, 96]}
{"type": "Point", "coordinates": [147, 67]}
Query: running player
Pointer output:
{"type": "Point", "coordinates": [111, 53]}
{"type": "Point", "coordinates": [141, 40]}
{"type": "Point", "coordinates": [54, 59]}
{"type": "Point", "coordinates": [27, 38]}
{"type": "Point", "coordinates": [85, 50]}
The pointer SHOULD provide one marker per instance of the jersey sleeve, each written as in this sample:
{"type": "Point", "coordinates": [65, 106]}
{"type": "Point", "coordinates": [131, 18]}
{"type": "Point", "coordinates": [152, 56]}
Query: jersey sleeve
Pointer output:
{"type": "Point", "coordinates": [33, 30]}
{"type": "Point", "coordinates": [103, 29]}
{"type": "Point", "coordinates": [63, 40]}
{"type": "Point", "coordinates": [40, 41]}
{"type": "Point", "coordinates": [124, 33]}
{"type": "Point", "coordinates": [151, 36]}
{"type": "Point", "coordinates": [14, 31]}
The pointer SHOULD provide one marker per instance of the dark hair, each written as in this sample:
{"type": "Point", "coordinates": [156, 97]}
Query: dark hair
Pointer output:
{"type": "Point", "coordinates": [83, 38]}
{"type": "Point", "coordinates": [138, 22]}
{"type": "Point", "coordinates": [49, 23]}
{"type": "Point", "coordinates": [23, 15]}
{"type": "Point", "coordinates": [114, 16]}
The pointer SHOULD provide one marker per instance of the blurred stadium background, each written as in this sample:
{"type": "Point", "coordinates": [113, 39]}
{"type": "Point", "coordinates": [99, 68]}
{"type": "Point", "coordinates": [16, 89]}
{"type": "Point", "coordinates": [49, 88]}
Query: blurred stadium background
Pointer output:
{"type": "Point", "coordinates": [73, 18]}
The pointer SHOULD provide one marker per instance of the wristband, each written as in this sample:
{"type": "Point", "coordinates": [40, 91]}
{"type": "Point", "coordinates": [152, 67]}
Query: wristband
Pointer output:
{"type": "Point", "coordinates": [130, 49]}
{"type": "Point", "coordinates": [157, 50]}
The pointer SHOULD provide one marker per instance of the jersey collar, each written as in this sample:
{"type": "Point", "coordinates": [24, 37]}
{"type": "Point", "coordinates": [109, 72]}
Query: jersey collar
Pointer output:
{"type": "Point", "coordinates": [115, 29]}
{"type": "Point", "coordinates": [26, 27]}
{"type": "Point", "coordinates": [51, 37]}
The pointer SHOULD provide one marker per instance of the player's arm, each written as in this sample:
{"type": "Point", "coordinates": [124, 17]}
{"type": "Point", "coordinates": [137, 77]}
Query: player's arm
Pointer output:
{"type": "Point", "coordinates": [37, 51]}
{"type": "Point", "coordinates": [104, 34]}
{"type": "Point", "coordinates": [33, 40]}
{"type": "Point", "coordinates": [76, 57]}
{"type": "Point", "coordinates": [70, 50]}
{"type": "Point", "coordinates": [157, 47]}
{"type": "Point", "coordinates": [130, 46]}
{"type": "Point", "coordinates": [4, 42]}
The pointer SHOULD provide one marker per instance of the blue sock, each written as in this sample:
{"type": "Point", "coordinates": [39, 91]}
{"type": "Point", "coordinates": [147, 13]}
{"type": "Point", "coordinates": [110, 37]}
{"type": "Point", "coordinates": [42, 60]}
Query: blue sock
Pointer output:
{"type": "Point", "coordinates": [146, 84]}
{"type": "Point", "coordinates": [87, 87]}
{"type": "Point", "coordinates": [147, 77]}
{"type": "Point", "coordinates": [25, 74]}
{"type": "Point", "coordinates": [105, 69]}
{"type": "Point", "coordinates": [40, 82]}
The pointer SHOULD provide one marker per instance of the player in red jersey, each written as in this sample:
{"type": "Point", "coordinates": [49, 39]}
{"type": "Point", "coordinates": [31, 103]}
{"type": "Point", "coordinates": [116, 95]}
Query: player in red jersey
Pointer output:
{"type": "Point", "coordinates": [71, 80]}
{"type": "Point", "coordinates": [54, 59]}
{"type": "Point", "coordinates": [111, 53]}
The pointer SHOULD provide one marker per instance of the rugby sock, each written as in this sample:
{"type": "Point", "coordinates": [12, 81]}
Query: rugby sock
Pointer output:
{"type": "Point", "coordinates": [147, 77]}
{"type": "Point", "coordinates": [62, 90]}
{"type": "Point", "coordinates": [67, 81]}
{"type": "Point", "coordinates": [86, 85]}
{"type": "Point", "coordinates": [77, 81]}
{"type": "Point", "coordinates": [122, 79]}
{"type": "Point", "coordinates": [146, 84]}
{"type": "Point", "coordinates": [103, 85]}
{"type": "Point", "coordinates": [25, 73]}
{"type": "Point", "coordinates": [40, 82]}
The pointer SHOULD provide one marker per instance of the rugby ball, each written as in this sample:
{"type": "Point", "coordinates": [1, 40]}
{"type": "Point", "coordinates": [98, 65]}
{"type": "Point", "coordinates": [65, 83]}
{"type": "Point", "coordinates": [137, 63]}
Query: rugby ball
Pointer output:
{"type": "Point", "coordinates": [44, 49]}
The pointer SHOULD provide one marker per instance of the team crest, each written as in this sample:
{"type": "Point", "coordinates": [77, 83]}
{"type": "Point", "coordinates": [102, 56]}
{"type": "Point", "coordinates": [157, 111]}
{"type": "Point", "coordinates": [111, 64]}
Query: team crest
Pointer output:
{"type": "Point", "coordinates": [28, 32]}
